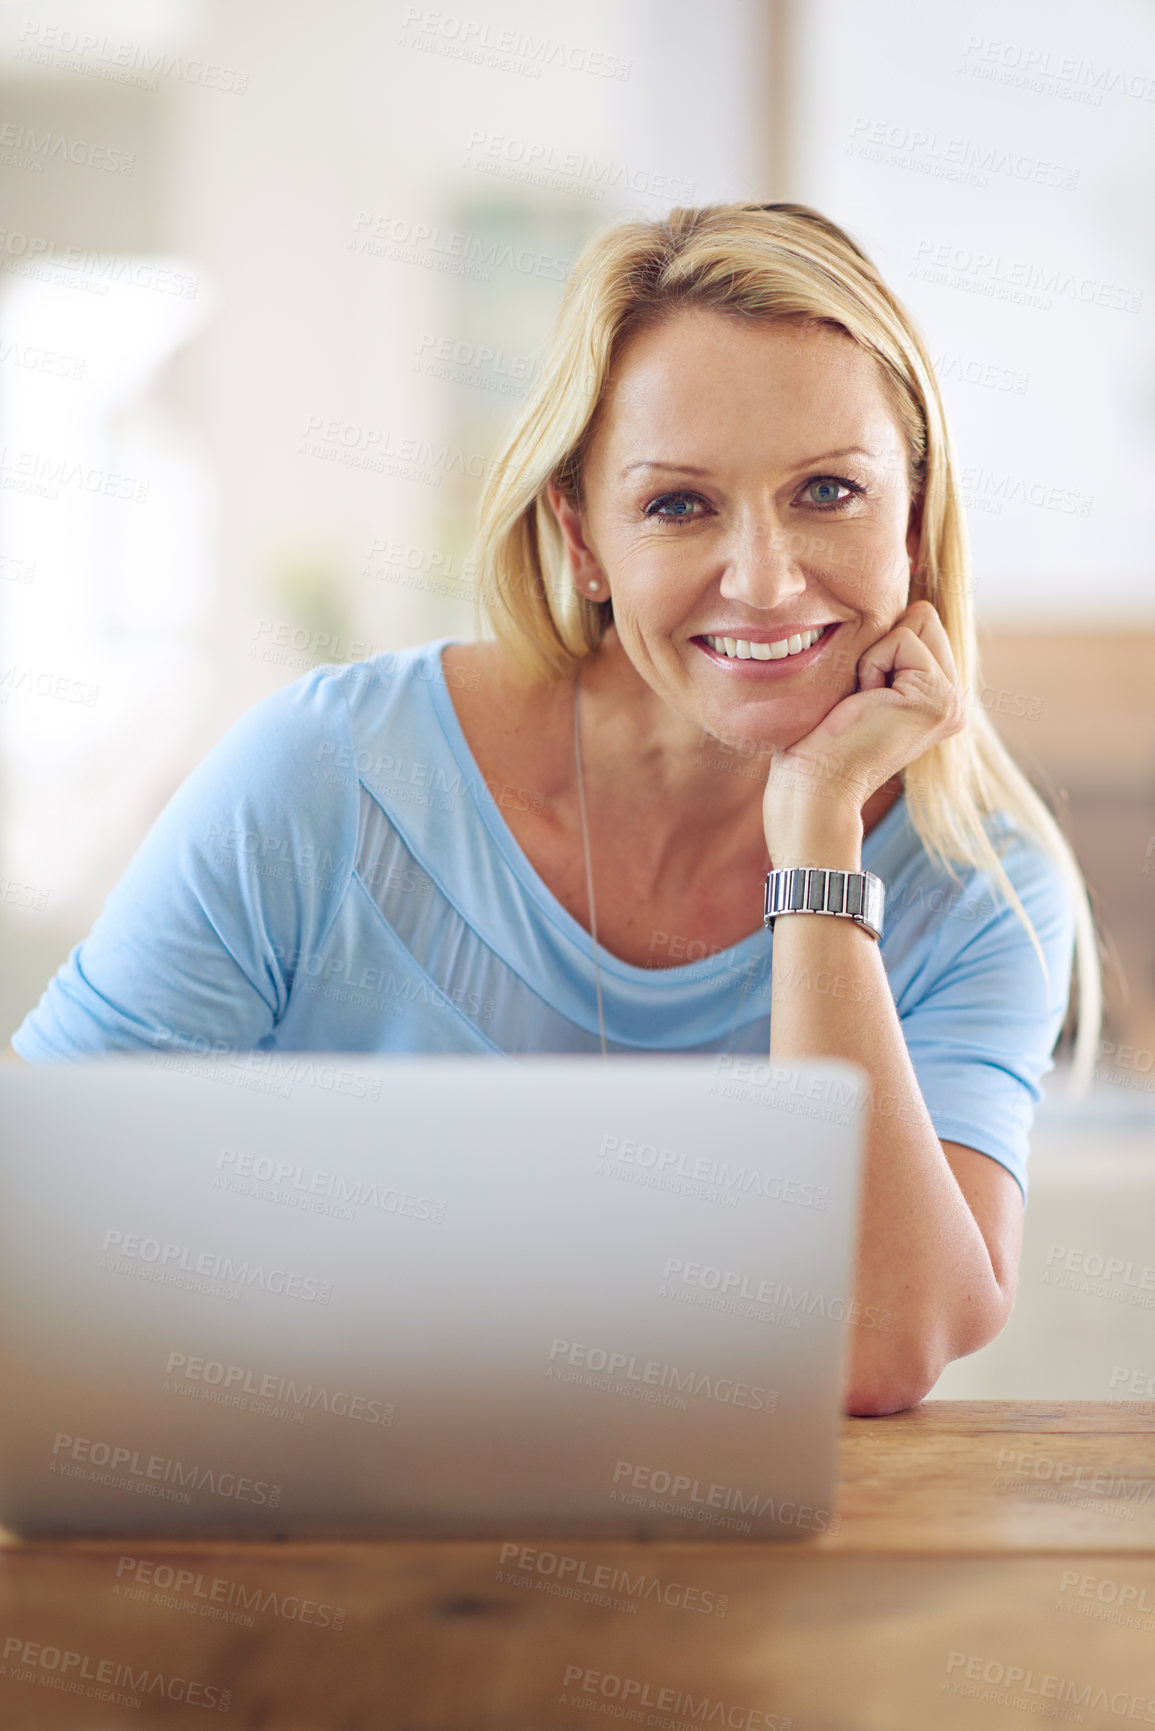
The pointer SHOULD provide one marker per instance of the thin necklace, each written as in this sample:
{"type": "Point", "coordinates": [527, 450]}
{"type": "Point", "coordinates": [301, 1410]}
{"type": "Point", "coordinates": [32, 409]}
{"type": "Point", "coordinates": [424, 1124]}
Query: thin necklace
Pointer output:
{"type": "Point", "coordinates": [577, 747]}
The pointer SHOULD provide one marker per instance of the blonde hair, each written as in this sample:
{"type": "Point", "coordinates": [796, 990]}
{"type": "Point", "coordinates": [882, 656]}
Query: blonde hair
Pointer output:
{"type": "Point", "coordinates": [779, 261]}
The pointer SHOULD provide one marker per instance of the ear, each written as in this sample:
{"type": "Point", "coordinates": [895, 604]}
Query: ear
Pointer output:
{"type": "Point", "coordinates": [583, 561]}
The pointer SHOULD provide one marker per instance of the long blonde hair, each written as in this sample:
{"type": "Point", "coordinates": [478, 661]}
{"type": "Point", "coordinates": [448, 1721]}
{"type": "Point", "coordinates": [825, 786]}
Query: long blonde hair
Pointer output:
{"type": "Point", "coordinates": [780, 261]}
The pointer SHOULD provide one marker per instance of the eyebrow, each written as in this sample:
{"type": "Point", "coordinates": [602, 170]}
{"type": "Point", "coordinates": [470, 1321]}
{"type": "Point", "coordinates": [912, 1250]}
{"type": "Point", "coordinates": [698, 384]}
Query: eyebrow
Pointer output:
{"type": "Point", "coordinates": [807, 463]}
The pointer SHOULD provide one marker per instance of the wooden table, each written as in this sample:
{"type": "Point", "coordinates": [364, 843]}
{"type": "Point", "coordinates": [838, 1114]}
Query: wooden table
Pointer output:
{"type": "Point", "coordinates": [994, 1561]}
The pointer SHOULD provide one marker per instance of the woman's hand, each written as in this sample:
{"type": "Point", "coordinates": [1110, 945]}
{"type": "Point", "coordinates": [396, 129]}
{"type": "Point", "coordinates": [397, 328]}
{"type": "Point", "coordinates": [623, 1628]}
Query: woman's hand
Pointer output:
{"type": "Point", "coordinates": [908, 698]}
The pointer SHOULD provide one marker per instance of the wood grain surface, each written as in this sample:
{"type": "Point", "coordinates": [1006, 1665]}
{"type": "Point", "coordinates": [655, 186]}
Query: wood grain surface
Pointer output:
{"type": "Point", "coordinates": [994, 1560]}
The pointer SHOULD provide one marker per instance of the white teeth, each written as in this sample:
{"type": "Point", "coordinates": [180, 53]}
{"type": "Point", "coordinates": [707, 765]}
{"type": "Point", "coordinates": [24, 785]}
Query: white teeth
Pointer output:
{"type": "Point", "coordinates": [738, 649]}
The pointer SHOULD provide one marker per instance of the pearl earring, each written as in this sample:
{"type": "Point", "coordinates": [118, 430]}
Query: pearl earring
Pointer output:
{"type": "Point", "coordinates": [594, 584]}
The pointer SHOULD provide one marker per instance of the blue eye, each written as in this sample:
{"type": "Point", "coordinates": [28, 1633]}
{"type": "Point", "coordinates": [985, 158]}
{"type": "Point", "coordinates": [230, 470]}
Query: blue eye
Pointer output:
{"type": "Point", "coordinates": [680, 507]}
{"type": "Point", "coordinates": [682, 515]}
{"type": "Point", "coordinates": [829, 484]}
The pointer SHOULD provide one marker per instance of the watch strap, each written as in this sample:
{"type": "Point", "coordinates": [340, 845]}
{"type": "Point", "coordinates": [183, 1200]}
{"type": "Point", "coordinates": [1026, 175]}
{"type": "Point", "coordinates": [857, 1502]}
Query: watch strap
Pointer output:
{"type": "Point", "coordinates": [855, 895]}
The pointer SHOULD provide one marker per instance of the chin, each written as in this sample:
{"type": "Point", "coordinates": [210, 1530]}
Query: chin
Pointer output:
{"type": "Point", "coordinates": [768, 723]}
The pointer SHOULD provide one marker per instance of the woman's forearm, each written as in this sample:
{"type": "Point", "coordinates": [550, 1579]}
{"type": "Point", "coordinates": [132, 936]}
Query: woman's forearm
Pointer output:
{"type": "Point", "coordinates": [922, 1263]}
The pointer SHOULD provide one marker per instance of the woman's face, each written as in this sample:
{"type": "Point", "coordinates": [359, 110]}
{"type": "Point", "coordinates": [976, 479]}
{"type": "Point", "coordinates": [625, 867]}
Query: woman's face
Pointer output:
{"type": "Point", "coordinates": [746, 480]}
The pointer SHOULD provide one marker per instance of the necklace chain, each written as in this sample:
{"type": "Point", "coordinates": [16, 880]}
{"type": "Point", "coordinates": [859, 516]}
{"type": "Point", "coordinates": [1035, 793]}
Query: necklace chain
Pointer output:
{"type": "Point", "coordinates": [577, 747]}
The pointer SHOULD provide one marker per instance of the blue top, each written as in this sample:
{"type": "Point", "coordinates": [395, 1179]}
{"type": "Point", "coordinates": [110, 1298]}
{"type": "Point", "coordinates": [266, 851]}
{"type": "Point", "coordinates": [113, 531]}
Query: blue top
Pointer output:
{"type": "Point", "coordinates": [336, 876]}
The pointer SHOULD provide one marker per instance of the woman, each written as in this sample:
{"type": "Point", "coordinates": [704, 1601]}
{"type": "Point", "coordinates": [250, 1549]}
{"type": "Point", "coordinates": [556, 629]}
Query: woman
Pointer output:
{"type": "Point", "coordinates": [724, 560]}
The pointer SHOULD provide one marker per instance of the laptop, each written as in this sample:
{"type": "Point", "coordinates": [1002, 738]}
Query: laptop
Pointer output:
{"type": "Point", "coordinates": [289, 1296]}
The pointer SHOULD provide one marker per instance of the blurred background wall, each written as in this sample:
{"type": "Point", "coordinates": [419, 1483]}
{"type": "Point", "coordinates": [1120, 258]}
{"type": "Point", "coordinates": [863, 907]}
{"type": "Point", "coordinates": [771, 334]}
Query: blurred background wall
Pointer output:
{"type": "Point", "coordinates": [273, 278]}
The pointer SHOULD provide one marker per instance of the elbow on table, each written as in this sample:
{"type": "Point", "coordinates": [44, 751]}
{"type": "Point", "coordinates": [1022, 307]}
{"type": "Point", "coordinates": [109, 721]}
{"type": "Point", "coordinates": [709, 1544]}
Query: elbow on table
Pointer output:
{"type": "Point", "coordinates": [894, 1370]}
{"type": "Point", "coordinates": [881, 1393]}
{"type": "Point", "coordinates": [895, 1380]}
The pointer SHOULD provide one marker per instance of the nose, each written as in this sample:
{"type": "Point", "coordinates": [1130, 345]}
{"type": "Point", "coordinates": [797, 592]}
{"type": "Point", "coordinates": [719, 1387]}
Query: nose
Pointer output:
{"type": "Point", "coordinates": [764, 563]}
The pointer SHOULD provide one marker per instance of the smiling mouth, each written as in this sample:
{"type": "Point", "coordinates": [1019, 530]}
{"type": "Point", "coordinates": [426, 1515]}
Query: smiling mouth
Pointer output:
{"type": "Point", "coordinates": [802, 646]}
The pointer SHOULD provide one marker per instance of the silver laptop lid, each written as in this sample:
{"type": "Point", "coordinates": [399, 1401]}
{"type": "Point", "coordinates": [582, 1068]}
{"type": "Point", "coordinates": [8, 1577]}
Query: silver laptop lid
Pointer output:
{"type": "Point", "coordinates": [425, 1296]}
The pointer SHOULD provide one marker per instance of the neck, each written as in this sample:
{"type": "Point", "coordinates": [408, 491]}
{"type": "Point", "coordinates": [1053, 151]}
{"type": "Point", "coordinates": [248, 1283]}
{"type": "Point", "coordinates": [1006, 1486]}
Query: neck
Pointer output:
{"type": "Point", "coordinates": [689, 783]}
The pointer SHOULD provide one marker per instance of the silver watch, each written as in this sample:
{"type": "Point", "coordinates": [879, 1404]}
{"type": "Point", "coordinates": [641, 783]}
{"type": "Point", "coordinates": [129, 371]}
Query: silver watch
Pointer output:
{"type": "Point", "coordinates": [857, 896]}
